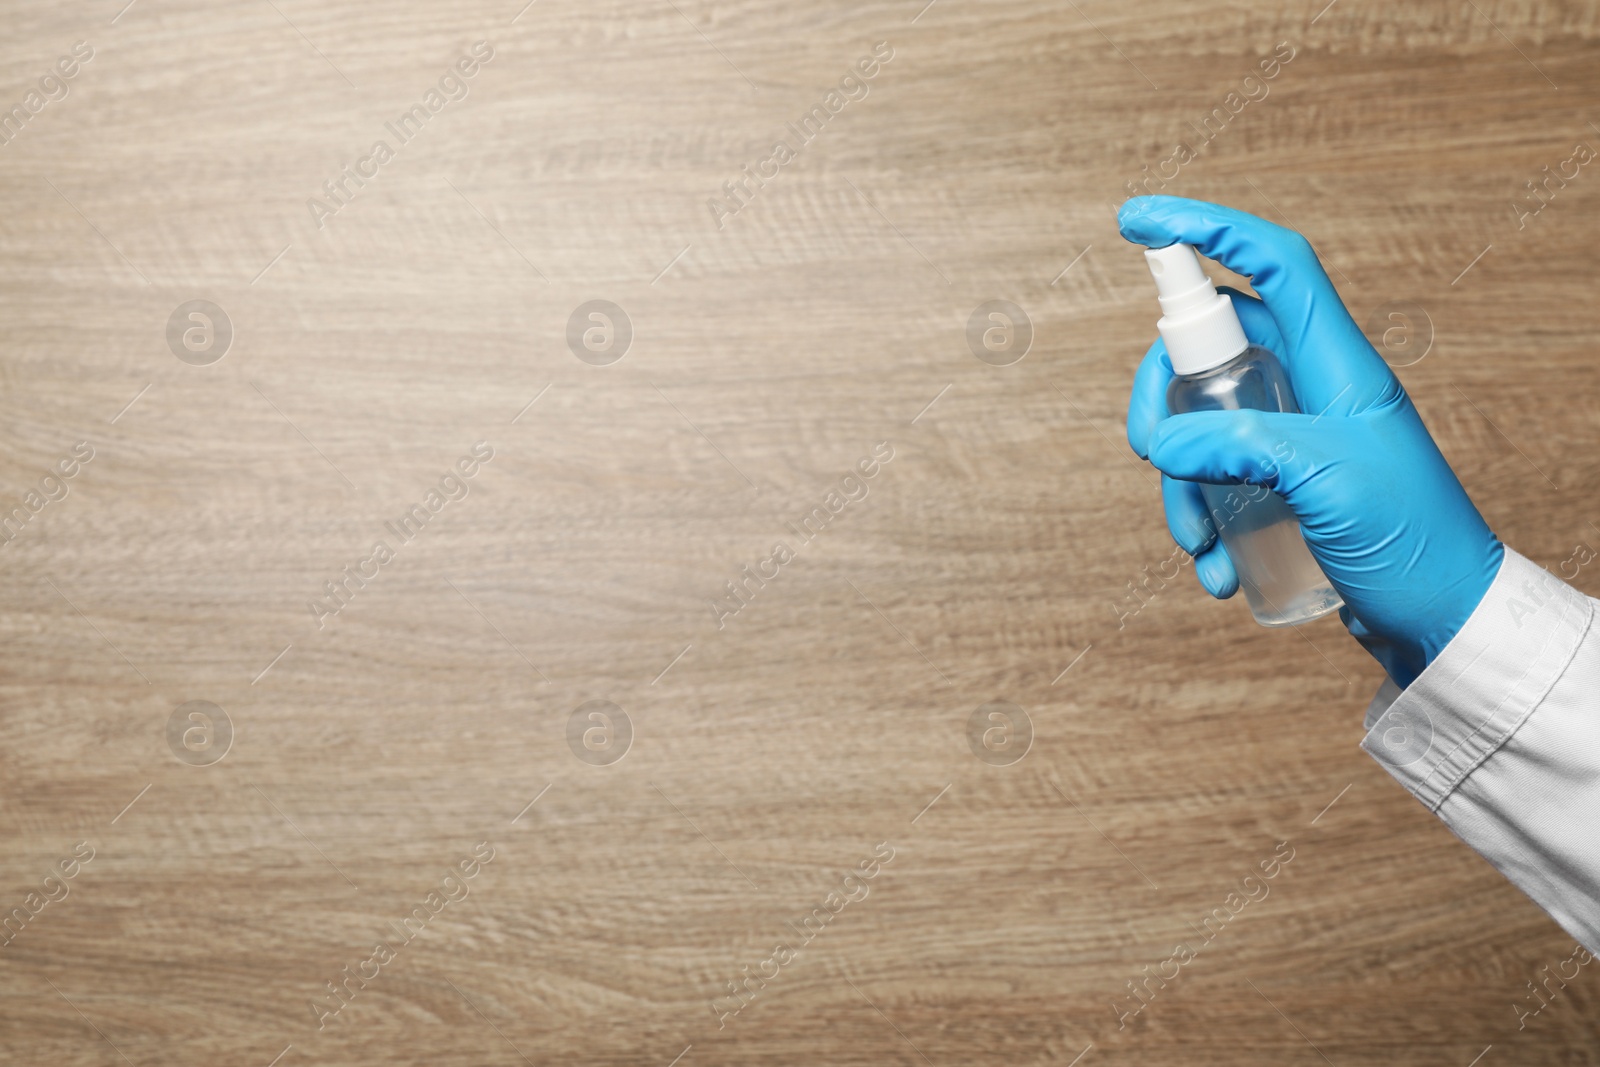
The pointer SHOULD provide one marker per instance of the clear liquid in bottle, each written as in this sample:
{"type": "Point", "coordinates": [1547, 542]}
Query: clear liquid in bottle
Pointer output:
{"type": "Point", "coordinates": [1280, 578]}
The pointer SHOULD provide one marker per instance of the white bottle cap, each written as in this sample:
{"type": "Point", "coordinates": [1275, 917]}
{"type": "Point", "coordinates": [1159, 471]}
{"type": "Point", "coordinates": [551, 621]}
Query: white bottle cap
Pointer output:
{"type": "Point", "coordinates": [1198, 323]}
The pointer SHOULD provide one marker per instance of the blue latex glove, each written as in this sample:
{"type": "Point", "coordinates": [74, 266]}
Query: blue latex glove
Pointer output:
{"type": "Point", "coordinates": [1381, 510]}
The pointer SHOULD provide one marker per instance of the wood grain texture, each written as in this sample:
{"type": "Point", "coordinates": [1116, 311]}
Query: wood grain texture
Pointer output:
{"type": "Point", "coordinates": [770, 354]}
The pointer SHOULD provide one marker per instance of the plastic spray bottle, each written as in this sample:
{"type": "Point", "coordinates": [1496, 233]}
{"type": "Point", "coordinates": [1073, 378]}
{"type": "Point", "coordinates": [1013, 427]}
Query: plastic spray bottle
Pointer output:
{"type": "Point", "coordinates": [1215, 367]}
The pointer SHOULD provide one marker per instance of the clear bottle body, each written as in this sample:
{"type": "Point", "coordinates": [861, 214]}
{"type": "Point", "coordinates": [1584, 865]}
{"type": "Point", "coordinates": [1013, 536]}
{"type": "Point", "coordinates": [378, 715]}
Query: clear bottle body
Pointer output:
{"type": "Point", "coordinates": [1280, 578]}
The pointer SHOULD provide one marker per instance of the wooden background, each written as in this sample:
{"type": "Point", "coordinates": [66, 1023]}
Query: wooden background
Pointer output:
{"type": "Point", "coordinates": [770, 756]}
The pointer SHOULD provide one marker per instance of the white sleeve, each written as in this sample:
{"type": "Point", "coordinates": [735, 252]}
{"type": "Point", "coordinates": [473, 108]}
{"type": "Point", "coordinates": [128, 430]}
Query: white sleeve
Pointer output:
{"type": "Point", "coordinates": [1500, 737]}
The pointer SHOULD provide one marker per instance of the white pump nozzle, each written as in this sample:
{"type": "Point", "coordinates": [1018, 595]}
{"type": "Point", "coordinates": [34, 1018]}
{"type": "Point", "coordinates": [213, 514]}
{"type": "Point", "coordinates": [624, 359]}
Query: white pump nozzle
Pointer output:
{"type": "Point", "coordinates": [1198, 323]}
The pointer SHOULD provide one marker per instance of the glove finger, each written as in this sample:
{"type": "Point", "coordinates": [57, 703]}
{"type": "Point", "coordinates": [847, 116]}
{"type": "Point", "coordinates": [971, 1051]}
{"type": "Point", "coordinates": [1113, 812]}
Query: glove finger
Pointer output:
{"type": "Point", "coordinates": [1193, 528]}
{"type": "Point", "coordinates": [1147, 405]}
{"type": "Point", "coordinates": [1332, 365]}
{"type": "Point", "coordinates": [1216, 573]}
{"type": "Point", "coordinates": [1270, 448]}
{"type": "Point", "coordinates": [1188, 518]}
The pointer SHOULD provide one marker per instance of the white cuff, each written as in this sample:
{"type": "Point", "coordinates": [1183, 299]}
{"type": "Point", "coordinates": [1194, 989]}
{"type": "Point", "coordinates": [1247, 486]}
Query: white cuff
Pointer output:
{"type": "Point", "coordinates": [1472, 698]}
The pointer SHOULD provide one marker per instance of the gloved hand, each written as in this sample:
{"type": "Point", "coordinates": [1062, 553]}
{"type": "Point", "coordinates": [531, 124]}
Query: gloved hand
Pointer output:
{"type": "Point", "coordinates": [1380, 508]}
